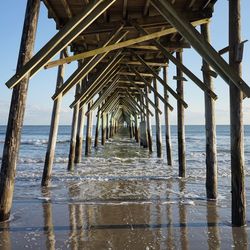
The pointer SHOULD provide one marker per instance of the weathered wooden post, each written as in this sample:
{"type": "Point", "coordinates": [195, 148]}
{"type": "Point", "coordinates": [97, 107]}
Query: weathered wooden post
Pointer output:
{"type": "Point", "coordinates": [80, 128]}
{"type": "Point", "coordinates": [157, 122]}
{"type": "Point", "coordinates": [110, 127]}
{"type": "Point", "coordinates": [89, 130]}
{"type": "Point", "coordinates": [130, 128]}
{"type": "Point", "coordinates": [167, 121]}
{"type": "Point", "coordinates": [180, 120]}
{"type": "Point", "coordinates": [107, 126]}
{"type": "Point", "coordinates": [16, 114]}
{"type": "Point", "coordinates": [79, 135]}
{"type": "Point", "coordinates": [97, 128]}
{"type": "Point", "coordinates": [136, 128]}
{"type": "Point", "coordinates": [143, 127]}
{"type": "Point", "coordinates": [149, 129]}
{"type": "Point", "coordinates": [211, 151]}
{"type": "Point", "coordinates": [236, 119]}
{"type": "Point", "coordinates": [103, 128]}
{"type": "Point", "coordinates": [72, 148]}
{"type": "Point", "coordinates": [49, 158]}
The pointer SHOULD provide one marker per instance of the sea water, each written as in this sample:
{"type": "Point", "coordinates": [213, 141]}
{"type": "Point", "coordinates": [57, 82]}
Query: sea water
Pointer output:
{"type": "Point", "coordinates": [122, 175]}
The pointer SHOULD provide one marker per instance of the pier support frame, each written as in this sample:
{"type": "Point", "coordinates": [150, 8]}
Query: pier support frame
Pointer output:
{"type": "Point", "coordinates": [167, 121]}
{"type": "Point", "coordinates": [157, 122]}
{"type": "Point", "coordinates": [49, 158]}
{"type": "Point", "coordinates": [236, 119]}
{"type": "Point", "coordinates": [211, 151]}
{"type": "Point", "coordinates": [180, 120]}
{"type": "Point", "coordinates": [17, 110]}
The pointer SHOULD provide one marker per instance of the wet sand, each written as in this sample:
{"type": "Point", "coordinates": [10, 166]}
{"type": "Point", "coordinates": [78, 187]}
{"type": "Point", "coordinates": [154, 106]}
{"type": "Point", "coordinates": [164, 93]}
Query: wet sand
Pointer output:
{"type": "Point", "coordinates": [119, 213]}
{"type": "Point", "coordinates": [155, 224]}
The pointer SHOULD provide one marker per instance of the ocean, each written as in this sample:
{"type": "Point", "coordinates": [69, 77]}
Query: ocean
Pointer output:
{"type": "Point", "coordinates": [122, 197]}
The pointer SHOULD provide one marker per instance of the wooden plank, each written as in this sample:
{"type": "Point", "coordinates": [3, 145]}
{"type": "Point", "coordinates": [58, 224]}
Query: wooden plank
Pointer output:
{"type": "Point", "coordinates": [155, 64]}
{"type": "Point", "coordinates": [67, 34]}
{"type": "Point", "coordinates": [133, 74]}
{"type": "Point", "coordinates": [200, 45]}
{"type": "Point", "coordinates": [120, 45]}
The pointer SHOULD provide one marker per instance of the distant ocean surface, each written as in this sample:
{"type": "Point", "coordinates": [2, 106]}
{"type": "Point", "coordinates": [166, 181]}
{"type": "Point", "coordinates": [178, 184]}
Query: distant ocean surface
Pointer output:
{"type": "Point", "coordinates": [118, 160]}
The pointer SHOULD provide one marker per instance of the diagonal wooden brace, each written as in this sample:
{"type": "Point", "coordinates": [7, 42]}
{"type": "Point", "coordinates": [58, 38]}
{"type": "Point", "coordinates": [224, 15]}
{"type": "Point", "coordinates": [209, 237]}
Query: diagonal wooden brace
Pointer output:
{"type": "Point", "coordinates": [209, 54]}
{"type": "Point", "coordinates": [66, 35]}
{"type": "Point", "coordinates": [171, 91]}
{"type": "Point", "coordinates": [182, 67]}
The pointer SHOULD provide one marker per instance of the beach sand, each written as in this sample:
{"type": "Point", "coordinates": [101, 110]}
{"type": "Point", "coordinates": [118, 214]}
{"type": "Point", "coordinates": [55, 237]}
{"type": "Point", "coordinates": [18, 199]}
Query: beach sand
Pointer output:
{"type": "Point", "coordinates": [125, 224]}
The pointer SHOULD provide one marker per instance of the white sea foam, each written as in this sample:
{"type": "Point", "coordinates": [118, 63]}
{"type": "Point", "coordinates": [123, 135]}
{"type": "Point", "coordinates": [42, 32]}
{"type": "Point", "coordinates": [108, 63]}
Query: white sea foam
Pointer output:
{"type": "Point", "coordinates": [44, 198]}
{"type": "Point", "coordinates": [188, 202]}
{"type": "Point", "coordinates": [41, 160]}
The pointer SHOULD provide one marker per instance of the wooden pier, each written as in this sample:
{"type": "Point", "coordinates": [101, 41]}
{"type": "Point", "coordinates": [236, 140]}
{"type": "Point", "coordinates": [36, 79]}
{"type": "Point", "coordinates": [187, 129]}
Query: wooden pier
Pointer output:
{"type": "Point", "coordinates": [123, 49]}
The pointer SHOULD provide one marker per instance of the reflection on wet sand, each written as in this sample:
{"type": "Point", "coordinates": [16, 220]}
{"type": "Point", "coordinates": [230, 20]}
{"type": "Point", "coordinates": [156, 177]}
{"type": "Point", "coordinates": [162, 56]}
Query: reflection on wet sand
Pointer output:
{"type": "Point", "coordinates": [183, 219]}
{"type": "Point", "coordinates": [170, 234]}
{"type": "Point", "coordinates": [5, 238]}
{"type": "Point", "coordinates": [213, 233]}
{"type": "Point", "coordinates": [165, 221]}
{"type": "Point", "coordinates": [48, 221]}
{"type": "Point", "coordinates": [240, 240]}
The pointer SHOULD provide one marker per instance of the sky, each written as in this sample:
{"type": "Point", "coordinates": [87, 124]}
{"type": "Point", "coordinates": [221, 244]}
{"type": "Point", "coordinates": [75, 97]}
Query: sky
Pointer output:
{"type": "Point", "coordinates": [42, 85]}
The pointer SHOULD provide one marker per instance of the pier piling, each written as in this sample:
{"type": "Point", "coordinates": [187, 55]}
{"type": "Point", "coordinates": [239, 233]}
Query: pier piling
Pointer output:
{"type": "Point", "coordinates": [167, 121]}
{"type": "Point", "coordinates": [211, 151]}
{"type": "Point", "coordinates": [180, 120]}
{"type": "Point", "coordinates": [236, 120]}
{"type": "Point", "coordinates": [50, 153]}
{"type": "Point", "coordinates": [17, 110]}
{"type": "Point", "coordinates": [157, 122]}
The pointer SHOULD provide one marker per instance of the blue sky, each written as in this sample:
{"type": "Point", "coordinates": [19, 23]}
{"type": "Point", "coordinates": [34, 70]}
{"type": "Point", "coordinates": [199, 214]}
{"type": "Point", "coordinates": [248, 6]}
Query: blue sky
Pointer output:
{"type": "Point", "coordinates": [42, 85]}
